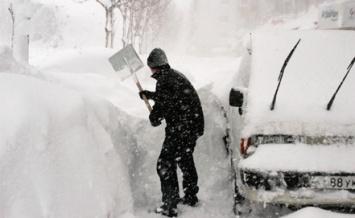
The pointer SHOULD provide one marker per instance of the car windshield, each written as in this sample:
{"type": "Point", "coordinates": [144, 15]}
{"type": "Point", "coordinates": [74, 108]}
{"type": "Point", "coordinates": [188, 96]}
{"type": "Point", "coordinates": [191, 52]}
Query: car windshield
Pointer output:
{"type": "Point", "coordinates": [307, 85]}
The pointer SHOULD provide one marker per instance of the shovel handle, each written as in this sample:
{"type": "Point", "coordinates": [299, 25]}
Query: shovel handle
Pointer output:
{"type": "Point", "coordinates": [141, 89]}
{"type": "Point", "coordinates": [138, 85]}
{"type": "Point", "coordinates": [144, 97]}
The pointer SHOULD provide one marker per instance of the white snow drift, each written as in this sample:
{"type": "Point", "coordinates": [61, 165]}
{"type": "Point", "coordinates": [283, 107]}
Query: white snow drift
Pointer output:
{"type": "Point", "coordinates": [57, 158]}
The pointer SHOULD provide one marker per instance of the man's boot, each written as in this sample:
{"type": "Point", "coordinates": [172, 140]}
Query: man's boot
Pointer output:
{"type": "Point", "coordinates": [189, 200]}
{"type": "Point", "coordinates": [166, 211]}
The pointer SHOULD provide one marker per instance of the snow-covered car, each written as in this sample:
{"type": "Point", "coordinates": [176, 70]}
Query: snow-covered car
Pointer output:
{"type": "Point", "coordinates": [297, 146]}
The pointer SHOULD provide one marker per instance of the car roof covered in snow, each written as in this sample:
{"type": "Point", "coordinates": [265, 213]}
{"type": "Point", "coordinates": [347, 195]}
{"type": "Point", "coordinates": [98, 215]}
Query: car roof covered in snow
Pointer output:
{"type": "Point", "coordinates": [314, 72]}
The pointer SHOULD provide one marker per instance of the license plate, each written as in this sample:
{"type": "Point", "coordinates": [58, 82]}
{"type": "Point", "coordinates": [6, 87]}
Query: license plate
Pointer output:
{"type": "Point", "coordinates": [333, 182]}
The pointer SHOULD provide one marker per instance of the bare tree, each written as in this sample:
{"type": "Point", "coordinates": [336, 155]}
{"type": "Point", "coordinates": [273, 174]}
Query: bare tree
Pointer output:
{"type": "Point", "coordinates": [156, 20]}
{"type": "Point", "coordinates": [148, 12]}
{"type": "Point", "coordinates": [137, 18]}
{"type": "Point", "coordinates": [110, 7]}
{"type": "Point", "coordinates": [11, 10]}
{"type": "Point", "coordinates": [21, 13]}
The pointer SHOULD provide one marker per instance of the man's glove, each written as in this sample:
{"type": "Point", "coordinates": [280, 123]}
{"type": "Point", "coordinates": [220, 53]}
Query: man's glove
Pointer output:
{"type": "Point", "coordinates": [147, 94]}
{"type": "Point", "coordinates": [154, 121]}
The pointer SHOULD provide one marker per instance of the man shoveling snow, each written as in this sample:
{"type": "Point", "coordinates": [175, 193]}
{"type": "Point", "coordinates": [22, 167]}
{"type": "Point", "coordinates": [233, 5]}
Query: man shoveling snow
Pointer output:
{"type": "Point", "coordinates": [177, 102]}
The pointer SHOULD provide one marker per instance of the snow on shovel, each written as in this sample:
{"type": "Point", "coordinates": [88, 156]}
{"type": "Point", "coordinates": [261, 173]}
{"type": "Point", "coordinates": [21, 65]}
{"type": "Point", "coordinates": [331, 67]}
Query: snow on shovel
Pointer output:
{"type": "Point", "coordinates": [128, 58]}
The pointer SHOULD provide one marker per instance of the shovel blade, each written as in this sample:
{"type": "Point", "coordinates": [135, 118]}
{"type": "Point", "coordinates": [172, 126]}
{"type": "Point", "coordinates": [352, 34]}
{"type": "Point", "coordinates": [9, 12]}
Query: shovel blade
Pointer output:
{"type": "Point", "coordinates": [126, 58]}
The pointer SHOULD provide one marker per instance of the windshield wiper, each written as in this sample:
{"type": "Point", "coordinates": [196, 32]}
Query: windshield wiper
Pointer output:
{"type": "Point", "coordinates": [272, 106]}
{"type": "Point", "coordinates": [330, 103]}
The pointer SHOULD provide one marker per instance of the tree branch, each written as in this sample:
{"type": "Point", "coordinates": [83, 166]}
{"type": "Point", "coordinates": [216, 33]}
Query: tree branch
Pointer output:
{"type": "Point", "coordinates": [119, 3]}
{"type": "Point", "coordinates": [11, 10]}
{"type": "Point", "coordinates": [101, 3]}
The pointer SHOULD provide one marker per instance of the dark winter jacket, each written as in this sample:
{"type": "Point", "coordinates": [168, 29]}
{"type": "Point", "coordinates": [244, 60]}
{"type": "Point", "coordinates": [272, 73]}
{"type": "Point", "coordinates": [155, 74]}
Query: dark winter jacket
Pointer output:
{"type": "Point", "coordinates": [177, 102]}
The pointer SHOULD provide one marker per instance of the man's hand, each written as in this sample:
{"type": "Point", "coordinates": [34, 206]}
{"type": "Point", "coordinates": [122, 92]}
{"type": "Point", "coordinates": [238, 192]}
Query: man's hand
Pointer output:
{"type": "Point", "coordinates": [154, 121]}
{"type": "Point", "coordinates": [147, 94]}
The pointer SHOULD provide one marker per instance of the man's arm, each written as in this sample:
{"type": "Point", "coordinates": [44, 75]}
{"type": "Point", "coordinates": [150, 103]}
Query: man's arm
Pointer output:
{"type": "Point", "coordinates": [164, 92]}
{"type": "Point", "coordinates": [162, 98]}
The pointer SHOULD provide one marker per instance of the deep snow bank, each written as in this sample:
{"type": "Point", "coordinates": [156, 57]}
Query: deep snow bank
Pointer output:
{"type": "Point", "coordinates": [57, 155]}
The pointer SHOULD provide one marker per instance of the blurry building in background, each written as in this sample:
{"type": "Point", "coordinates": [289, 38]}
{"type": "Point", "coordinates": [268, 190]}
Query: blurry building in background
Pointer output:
{"type": "Point", "coordinates": [255, 12]}
{"type": "Point", "coordinates": [337, 15]}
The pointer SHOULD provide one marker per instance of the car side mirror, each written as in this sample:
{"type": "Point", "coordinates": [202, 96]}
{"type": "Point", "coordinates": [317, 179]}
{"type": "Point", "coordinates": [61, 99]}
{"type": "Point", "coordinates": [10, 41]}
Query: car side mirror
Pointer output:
{"type": "Point", "coordinates": [236, 99]}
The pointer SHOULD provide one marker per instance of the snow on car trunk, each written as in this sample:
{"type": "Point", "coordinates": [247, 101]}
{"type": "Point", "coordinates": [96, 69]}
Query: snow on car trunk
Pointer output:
{"type": "Point", "coordinates": [57, 158]}
{"type": "Point", "coordinates": [311, 77]}
{"type": "Point", "coordinates": [302, 158]}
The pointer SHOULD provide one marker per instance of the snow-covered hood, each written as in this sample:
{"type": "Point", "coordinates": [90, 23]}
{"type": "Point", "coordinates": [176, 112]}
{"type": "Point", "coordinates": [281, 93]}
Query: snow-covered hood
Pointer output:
{"type": "Point", "coordinates": [301, 158]}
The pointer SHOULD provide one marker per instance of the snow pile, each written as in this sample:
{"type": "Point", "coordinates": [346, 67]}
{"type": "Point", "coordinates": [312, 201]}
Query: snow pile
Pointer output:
{"type": "Point", "coordinates": [62, 154]}
{"type": "Point", "coordinates": [311, 212]}
{"type": "Point", "coordinates": [89, 71]}
{"type": "Point", "coordinates": [311, 77]}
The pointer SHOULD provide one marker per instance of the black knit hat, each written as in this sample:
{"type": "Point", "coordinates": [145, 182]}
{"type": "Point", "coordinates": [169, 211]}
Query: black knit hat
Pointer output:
{"type": "Point", "coordinates": [157, 58]}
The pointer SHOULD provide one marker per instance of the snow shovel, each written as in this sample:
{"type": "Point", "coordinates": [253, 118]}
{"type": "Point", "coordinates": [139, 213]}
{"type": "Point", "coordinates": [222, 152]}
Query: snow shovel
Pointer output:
{"type": "Point", "coordinates": [128, 58]}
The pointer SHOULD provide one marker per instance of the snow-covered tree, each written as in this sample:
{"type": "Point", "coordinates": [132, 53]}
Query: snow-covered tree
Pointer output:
{"type": "Point", "coordinates": [21, 12]}
{"type": "Point", "coordinates": [136, 17]}
{"type": "Point", "coordinates": [152, 21]}
{"type": "Point", "coordinates": [12, 14]}
{"type": "Point", "coordinates": [139, 16]}
{"type": "Point", "coordinates": [23, 21]}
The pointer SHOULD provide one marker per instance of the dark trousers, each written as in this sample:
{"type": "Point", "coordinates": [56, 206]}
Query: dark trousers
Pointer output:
{"type": "Point", "coordinates": [177, 150]}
